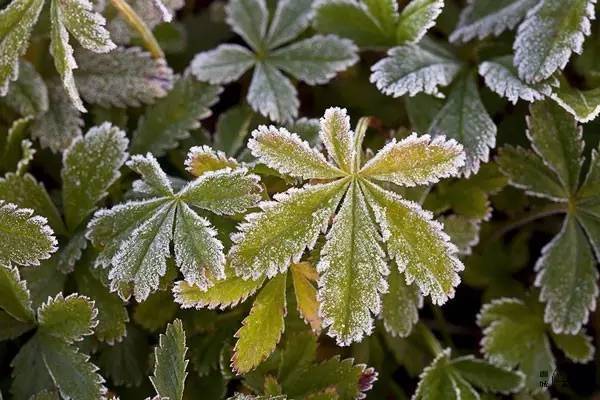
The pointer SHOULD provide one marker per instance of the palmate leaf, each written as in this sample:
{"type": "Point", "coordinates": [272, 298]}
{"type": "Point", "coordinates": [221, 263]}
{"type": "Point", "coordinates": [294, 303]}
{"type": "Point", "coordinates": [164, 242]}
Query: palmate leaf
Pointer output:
{"type": "Point", "coordinates": [225, 64]}
{"type": "Point", "coordinates": [290, 19]}
{"type": "Point", "coordinates": [272, 94]}
{"type": "Point", "coordinates": [135, 237]}
{"type": "Point", "coordinates": [552, 31]}
{"type": "Point", "coordinates": [170, 363]}
{"type": "Point", "coordinates": [17, 21]}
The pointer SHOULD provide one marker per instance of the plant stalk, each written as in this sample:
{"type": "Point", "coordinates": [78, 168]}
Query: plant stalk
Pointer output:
{"type": "Point", "coordinates": [140, 27]}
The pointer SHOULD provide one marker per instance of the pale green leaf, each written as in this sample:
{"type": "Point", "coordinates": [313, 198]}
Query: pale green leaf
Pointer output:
{"type": "Point", "coordinates": [290, 19]}
{"type": "Point", "coordinates": [268, 241]}
{"type": "Point", "coordinates": [24, 238]}
{"type": "Point", "coordinates": [465, 119]}
{"type": "Point", "coordinates": [170, 363]}
{"type": "Point", "coordinates": [552, 31]}
{"type": "Point", "coordinates": [202, 159]}
{"type": "Point", "coordinates": [154, 179]}
{"type": "Point", "coordinates": [584, 105]}
{"type": "Point", "coordinates": [287, 153]}
{"type": "Point", "coordinates": [14, 295]}
{"type": "Point", "coordinates": [67, 318]}
{"type": "Point", "coordinates": [416, 19]}
{"type": "Point", "coordinates": [86, 25]}
{"type": "Point", "coordinates": [90, 166]}
{"type": "Point", "coordinates": [16, 22]}
{"type": "Point", "coordinates": [416, 243]}
{"type": "Point", "coordinates": [272, 94]}
{"type": "Point", "coordinates": [171, 118]}
{"type": "Point", "coordinates": [262, 328]}
{"type": "Point", "coordinates": [249, 19]}
{"type": "Point", "coordinates": [27, 95]}
{"type": "Point", "coordinates": [225, 64]}
{"type": "Point", "coordinates": [337, 137]}
{"type": "Point", "coordinates": [400, 305]}
{"type": "Point", "coordinates": [415, 160]}
{"type": "Point", "coordinates": [579, 347]}
{"type": "Point", "coordinates": [352, 270]}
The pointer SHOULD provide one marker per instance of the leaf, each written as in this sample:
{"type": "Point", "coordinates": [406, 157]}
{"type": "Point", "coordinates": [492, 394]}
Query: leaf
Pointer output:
{"type": "Point", "coordinates": [170, 118]}
{"type": "Point", "coordinates": [125, 363]}
{"type": "Point", "coordinates": [484, 18]}
{"type": "Point", "coordinates": [578, 347]}
{"type": "Point", "coordinates": [90, 166]}
{"type": "Point", "coordinates": [290, 19]}
{"type": "Point", "coordinates": [67, 318]}
{"type": "Point", "coordinates": [587, 207]}
{"type": "Point", "coordinates": [463, 232]}
{"type": "Point", "coordinates": [262, 328]}
{"type": "Point", "coordinates": [155, 312]}
{"type": "Point", "coordinates": [233, 126]}
{"type": "Point", "coordinates": [249, 19]}
{"type": "Point", "coordinates": [154, 179]}
{"type": "Point", "coordinates": [287, 153]}
{"type": "Point", "coordinates": [315, 60]}
{"type": "Point", "coordinates": [400, 305]}
{"type": "Point", "coordinates": [126, 77]}
{"type": "Point", "coordinates": [27, 95]}
{"type": "Point", "coordinates": [306, 294]}
{"type": "Point", "coordinates": [567, 276]}
{"type": "Point", "coordinates": [337, 137]}
{"type": "Point", "coordinates": [44, 281]}
{"type": "Point", "coordinates": [423, 251]}
{"type": "Point", "coordinates": [14, 295]}
{"type": "Point", "coordinates": [268, 241]}
{"type": "Point", "coordinates": [546, 39]}
{"type": "Point", "coordinates": [29, 371]}
{"type": "Point", "coordinates": [202, 159]}
{"type": "Point", "coordinates": [71, 371]}
{"type": "Point", "coordinates": [465, 119]}
{"type": "Point", "coordinates": [415, 160]}
{"type": "Point", "coordinates": [501, 76]}
{"type": "Point", "coordinates": [352, 271]}
{"type": "Point", "coordinates": [24, 238]}
{"type": "Point", "coordinates": [416, 19]}
{"type": "Point", "coordinates": [86, 26]}
{"type": "Point", "coordinates": [584, 105]}
{"type": "Point", "coordinates": [17, 21]}
{"type": "Point", "coordinates": [225, 64]}
{"type": "Point", "coordinates": [61, 124]}
{"type": "Point", "coordinates": [272, 94]}
{"type": "Point", "coordinates": [556, 137]}
{"type": "Point", "coordinates": [413, 69]}
{"type": "Point", "coordinates": [488, 377]}
{"type": "Point", "coordinates": [170, 363]}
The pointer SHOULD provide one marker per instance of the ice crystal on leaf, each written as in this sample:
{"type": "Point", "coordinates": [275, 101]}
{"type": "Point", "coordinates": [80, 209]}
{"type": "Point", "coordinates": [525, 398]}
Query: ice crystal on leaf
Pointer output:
{"type": "Point", "coordinates": [134, 237]}
{"type": "Point", "coordinates": [314, 60]}
{"type": "Point", "coordinates": [352, 266]}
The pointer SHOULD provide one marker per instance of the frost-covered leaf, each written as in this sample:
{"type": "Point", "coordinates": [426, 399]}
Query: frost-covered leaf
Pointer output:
{"type": "Point", "coordinates": [24, 238]}
{"type": "Point", "coordinates": [67, 318]}
{"type": "Point", "coordinates": [501, 76]}
{"type": "Point", "coordinates": [463, 231]}
{"type": "Point", "coordinates": [249, 19]}
{"type": "Point", "coordinates": [202, 159]}
{"type": "Point", "coordinates": [270, 240]}
{"type": "Point", "coordinates": [400, 305]}
{"type": "Point", "coordinates": [415, 160]}
{"type": "Point", "coordinates": [417, 244]}
{"type": "Point", "coordinates": [482, 18]}
{"type": "Point", "coordinates": [587, 208]}
{"type": "Point", "coordinates": [124, 77]}
{"type": "Point", "coordinates": [578, 347]}
{"type": "Point", "coordinates": [488, 377]}
{"type": "Point", "coordinates": [272, 94]}
{"type": "Point", "coordinates": [287, 153]}
{"type": "Point", "coordinates": [337, 137]}
{"type": "Point", "coordinates": [584, 105]}
{"type": "Point", "coordinates": [90, 165]}
{"type": "Point", "coordinates": [225, 64]}
{"type": "Point", "coordinates": [16, 22]}
{"type": "Point", "coordinates": [315, 60]}
{"type": "Point", "coordinates": [567, 276]}
{"type": "Point", "coordinates": [303, 274]}
{"type": "Point", "coordinates": [27, 95]}
{"type": "Point", "coordinates": [290, 19]}
{"type": "Point", "coordinates": [14, 295]}
{"type": "Point", "coordinates": [552, 31]}
{"type": "Point", "coordinates": [153, 177]}
{"type": "Point", "coordinates": [465, 119]}
{"type": "Point", "coordinates": [262, 328]}
{"type": "Point", "coordinates": [18, 151]}
{"type": "Point", "coordinates": [170, 363]}
{"type": "Point", "coordinates": [416, 19]}
{"type": "Point", "coordinates": [29, 371]}
{"type": "Point", "coordinates": [171, 118]}
{"type": "Point", "coordinates": [61, 124]}
{"type": "Point", "coordinates": [412, 69]}
{"type": "Point", "coordinates": [86, 25]}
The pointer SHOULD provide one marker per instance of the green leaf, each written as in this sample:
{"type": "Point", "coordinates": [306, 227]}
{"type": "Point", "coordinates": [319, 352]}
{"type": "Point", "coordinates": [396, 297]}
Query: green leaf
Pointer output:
{"type": "Point", "coordinates": [170, 363]}
{"type": "Point", "coordinates": [415, 160]}
{"type": "Point", "coordinates": [124, 77]}
{"type": "Point", "coordinates": [125, 363]}
{"type": "Point", "coordinates": [11, 328]}
{"type": "Point", "coordinates": [233, 126]}
{"type": "Point", "coordinates": [272, 94]}
{"type": "Point", "coordinates": [171, 118]}
{"type": "Point", "coordinates": [67, 318]}
{"type": "Point", "coordinates": [338, 138]}
{"type": "Point", "coordinates": [463, 232]}
{"type": "Point", "coordinates": [436, 383]}
{"type": "Point", "coordinates": [262, 328]}
{"type": "Point", "coordinates": [484, 18]}
{"type": "Point", "coordinates": [287, 153]}
{"type": "Point", "coordinates": [29, 371]}
{"type": "Point", "coordinates": [90, 166]}
{"type": "Point", "coordinates": [352, 270]}
{"type": "Point", "coordinates": [546, 39]}
{"type": "Point", "coordinates": [306, 294]}
{"type": "Point", "coordinates": [587, 212]}
{"type": "Point", "coordinates": [290, 19]}
{"type": "Point", "coordinates": [27, 95]}
{"type": "Point", "coordinates": [155, 312]}
{"type": "Point", "coordinates": [16, 22]}
{"type": "Point", "coordinates": [154, 180]}
{"type": "Point", "coordinates": [579, 347]}
{"type": "Point", "coordinates": [400, 305]}
{"type": "Point", "coordinates": [465, 119]}
{"type": "Point", "coordinates": [225, 64]}
{"type": "Point", "coordinates": [72, 372]}
{"type": "Point", "coordinates": [24, 238]}
{"type": "Point", "coordinates": [270, 240]}
{"type": "Point", "coordinates": [44, 281]}
{"type": "Point", "coordinates": [416, 243]}
{"type": "Point", "coordinates": [416, 19]}
{"type": "Point", "coordinates": [555, 136]}
{"type": "Point", "coordinates": [413, 69]}
{"type": "Point", "coordinates": [14, 295]}
{"type": "Point", "coordinates": [488, 377]}
{"type": "Point", "coordinates": [249, 19]}
{"type": "Point", "coordinates": [202, 159]}
{"type": "Point", "coordinates": [584, 105]}
{"type": "Point", "coordinates": [86, 25]}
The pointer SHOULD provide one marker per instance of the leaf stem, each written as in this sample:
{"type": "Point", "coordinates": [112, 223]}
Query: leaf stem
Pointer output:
{"type": "Point", "coordinates": [140, 27]}
{"type": "Point", "coordinates": [430, 339]}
